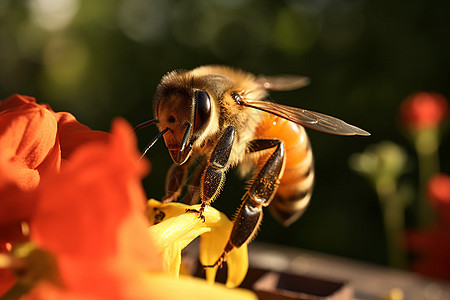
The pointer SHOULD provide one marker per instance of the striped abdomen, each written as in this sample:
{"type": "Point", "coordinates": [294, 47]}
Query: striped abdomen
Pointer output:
{"type": "Point", "coordinates": [296, 183]}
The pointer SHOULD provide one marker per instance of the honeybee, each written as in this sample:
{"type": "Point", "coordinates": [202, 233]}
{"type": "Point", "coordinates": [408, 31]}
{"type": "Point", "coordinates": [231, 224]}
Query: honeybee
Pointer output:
{"type": "Point", "coordinates": [220, 115]}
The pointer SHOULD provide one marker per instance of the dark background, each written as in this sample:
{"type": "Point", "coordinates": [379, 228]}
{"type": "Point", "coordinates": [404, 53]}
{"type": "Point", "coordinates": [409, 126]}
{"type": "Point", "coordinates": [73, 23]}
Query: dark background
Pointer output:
{"type": "Point", "coordinates": [102, 59]}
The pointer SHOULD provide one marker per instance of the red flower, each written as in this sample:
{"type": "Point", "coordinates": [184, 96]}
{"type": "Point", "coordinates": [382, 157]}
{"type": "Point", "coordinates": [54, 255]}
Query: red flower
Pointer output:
{"type": "Point", "coordinates": [439, 195]}
{"type": "Point", "coordinates": [433, 245]}
{"type": "Point", "coordinates": [439, 189]}
{"type": "Point", "coordinates": [432, 248]}
{"type": "Point", "coordinates": [34, 141]}
{"type": "Point", "coordinates": [91, 217]}
{"type": "Point", "coordinates": [423, 110]}
{"type": "Point", "coordinates": [28, 135]}
{"type": "Point", "coordinates": [72, 134]}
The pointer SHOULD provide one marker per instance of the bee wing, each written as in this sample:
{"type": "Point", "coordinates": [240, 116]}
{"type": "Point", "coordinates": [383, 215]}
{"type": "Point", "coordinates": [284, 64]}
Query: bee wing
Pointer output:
{"type": "Point", "coordinates": [309, 119]}
{"type": "Point", "coordinates": [282, 82]}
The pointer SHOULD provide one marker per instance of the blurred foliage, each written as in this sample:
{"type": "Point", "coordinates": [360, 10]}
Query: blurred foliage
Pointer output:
{"type": "Point", "coordinates": [101, 59]}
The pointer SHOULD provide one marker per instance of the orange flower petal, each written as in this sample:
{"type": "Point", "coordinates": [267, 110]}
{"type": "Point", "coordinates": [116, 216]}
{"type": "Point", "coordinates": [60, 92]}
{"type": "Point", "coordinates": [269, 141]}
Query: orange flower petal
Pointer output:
{"type": "Point", "coordinates": [29, 150]}
{"type": "Point", "coordinates": [73, 134]}
{"type": "Point", "coordinates": [93, 194]}
{"type": "Point", "coordinates": [27, 135]}
{"type": "Point", "coordinates": [91, 217]}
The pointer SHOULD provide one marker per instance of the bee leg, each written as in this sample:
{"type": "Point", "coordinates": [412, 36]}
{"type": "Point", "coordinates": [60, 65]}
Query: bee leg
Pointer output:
{"type": "Point", "coordinates": [175, 179]}
{"type": "Point", "coordinates": [213, 178]}
{"type": "Point", "coordinates": [193, 185]}
{"type": "Point", "coordinates": [259, 195]}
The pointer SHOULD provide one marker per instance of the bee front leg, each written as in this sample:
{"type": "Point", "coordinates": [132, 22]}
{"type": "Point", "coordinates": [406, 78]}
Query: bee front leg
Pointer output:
{"type": "Point", "coordinates": [193, 185]}
{"type": "Point", "coordinates": [213, 178]}
{"type": "Point", "coordinates": [260, 194]}
{"type": "Point", "coordinates": [175, 179]}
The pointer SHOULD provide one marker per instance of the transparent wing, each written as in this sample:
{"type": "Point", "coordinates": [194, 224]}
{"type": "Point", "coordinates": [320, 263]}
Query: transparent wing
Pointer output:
{"type": "Point", "coordinates": [282, 82]}
{"type": "Point", "coordinates": [309, 119]}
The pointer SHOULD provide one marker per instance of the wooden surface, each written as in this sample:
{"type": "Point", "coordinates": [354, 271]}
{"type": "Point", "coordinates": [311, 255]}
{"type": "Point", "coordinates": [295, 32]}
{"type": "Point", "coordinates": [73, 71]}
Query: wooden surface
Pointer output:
{"type": "Point", "coordinates": [368, 281]}
{"type": "Point", "coordinates": [305, 272]}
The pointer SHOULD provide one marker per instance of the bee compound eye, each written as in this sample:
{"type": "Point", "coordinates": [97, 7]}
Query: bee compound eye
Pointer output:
{"type": "Point", "coordinates": [202, 109]}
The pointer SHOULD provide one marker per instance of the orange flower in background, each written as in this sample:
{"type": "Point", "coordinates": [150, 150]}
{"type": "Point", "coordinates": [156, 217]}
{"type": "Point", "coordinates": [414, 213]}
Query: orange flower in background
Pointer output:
{"type": "Point", "coordinates": [423, 110]}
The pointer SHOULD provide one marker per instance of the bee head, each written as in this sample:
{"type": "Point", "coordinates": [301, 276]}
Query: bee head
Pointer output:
{"type": "Point", "coordinates": [186, 112]}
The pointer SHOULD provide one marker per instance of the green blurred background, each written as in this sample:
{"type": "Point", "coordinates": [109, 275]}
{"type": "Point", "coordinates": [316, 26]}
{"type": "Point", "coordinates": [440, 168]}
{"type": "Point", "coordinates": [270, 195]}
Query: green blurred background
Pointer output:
{"type": "Point", "coordinates": [102, 59]}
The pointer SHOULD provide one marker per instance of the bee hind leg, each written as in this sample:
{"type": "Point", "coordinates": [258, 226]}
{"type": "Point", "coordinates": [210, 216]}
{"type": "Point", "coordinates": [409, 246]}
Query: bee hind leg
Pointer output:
{"type": "Point", "coordinates": [259, 195]}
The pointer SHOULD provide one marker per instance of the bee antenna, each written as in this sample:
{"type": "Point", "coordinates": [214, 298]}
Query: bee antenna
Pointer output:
{"type": "Point", "coordinates": [153, 141]}
{"type": "Point", "coordinates": [145, 124]}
